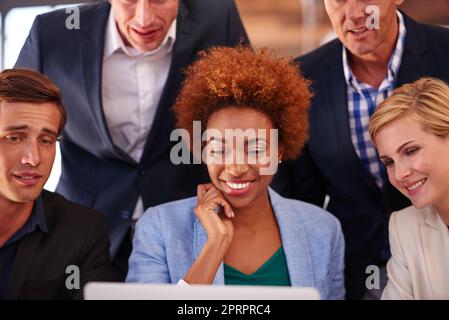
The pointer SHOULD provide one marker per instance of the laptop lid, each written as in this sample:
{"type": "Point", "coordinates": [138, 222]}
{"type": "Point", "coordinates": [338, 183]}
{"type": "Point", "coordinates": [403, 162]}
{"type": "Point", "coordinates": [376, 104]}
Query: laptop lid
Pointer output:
{"type": "Point", "coordinates": [137, 291]}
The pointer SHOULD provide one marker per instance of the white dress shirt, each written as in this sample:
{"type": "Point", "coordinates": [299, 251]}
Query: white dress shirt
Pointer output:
{"type": "Point", "coordinates": [132, 84]}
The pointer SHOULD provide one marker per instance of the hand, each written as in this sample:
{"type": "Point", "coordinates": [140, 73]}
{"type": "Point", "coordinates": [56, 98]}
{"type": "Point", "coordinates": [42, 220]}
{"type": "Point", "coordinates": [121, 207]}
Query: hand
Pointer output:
{"type": "Point", "coordinates": [214, 213]}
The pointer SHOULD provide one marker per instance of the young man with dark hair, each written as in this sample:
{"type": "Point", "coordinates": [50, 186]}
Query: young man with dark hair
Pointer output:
{"type": "Point", "coordinates": [49, 247]}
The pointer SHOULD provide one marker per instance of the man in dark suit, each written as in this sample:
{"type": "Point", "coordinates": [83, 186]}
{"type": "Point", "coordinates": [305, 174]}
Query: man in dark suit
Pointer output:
{"type": "Point", "coordinates": [49, 247]}
{"type": "Point", "coordinates": [120, 73]}
{"type": "Point", "coordinates": [350, 76]}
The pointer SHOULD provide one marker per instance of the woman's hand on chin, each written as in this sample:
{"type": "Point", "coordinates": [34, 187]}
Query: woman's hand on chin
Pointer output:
{"type": "Point", "coordinates": [215, 214]}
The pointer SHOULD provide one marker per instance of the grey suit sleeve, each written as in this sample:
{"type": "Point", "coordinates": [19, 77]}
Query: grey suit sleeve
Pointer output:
{"type": "Point", "coordinates": [30, 54]}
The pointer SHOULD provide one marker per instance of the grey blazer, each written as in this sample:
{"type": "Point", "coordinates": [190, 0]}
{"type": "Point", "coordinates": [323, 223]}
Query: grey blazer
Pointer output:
{"type": "Point", "coordinates": [169, 237]}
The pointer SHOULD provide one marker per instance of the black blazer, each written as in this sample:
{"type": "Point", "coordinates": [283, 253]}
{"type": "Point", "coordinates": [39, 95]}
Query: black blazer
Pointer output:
{"type": "Point", "coordinates": [95, 172]}
{"type": "Point", "coordinates": [330, 165]}
{"type": "Point", "coordinates": [77, 236]}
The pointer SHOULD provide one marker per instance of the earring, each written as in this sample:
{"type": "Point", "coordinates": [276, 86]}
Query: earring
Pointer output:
{"type": "Point", "coordinates": [280, 161]}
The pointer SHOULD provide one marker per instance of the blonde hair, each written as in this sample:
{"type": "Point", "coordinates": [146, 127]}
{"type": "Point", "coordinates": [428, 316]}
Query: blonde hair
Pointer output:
{"type": "Point", "coordinates": [425, 100]}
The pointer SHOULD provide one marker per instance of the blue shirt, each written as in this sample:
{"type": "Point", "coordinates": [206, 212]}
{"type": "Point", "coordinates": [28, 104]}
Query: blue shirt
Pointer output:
{"type": "Point", "coordinates": [9, 249]}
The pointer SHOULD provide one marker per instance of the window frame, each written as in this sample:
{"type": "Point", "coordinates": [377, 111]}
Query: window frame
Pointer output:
{"type": "Point", "coordinates": [8, 5]}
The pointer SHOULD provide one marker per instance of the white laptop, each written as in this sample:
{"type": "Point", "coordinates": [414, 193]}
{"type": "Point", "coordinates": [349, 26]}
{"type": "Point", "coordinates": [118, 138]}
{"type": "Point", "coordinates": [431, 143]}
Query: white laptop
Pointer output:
{"type": "Point", "coordinates": [135, 291]}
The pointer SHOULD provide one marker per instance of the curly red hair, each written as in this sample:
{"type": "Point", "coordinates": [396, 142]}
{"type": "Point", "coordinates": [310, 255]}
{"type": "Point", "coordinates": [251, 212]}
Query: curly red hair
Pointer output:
{"type": "Point", "coordinates": [240, 77]}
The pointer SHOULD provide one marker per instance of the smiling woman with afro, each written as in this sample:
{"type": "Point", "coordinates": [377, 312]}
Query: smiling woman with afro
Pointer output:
{"type": "Point", "coordinates": [237, 230]}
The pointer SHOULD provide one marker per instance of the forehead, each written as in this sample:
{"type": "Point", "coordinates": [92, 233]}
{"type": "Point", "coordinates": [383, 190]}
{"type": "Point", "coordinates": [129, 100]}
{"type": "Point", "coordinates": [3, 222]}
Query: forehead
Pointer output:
{"type": "Point", "coordinates": [398, 132]}
{"type": "Point", "coordinates": [35, 115]}
{"type": "Point", "coordinates": [120, 4]}
{"type": "Point", "coordinates": [239, 118]}
{"type": "Point", "coordinates": [367, 2]}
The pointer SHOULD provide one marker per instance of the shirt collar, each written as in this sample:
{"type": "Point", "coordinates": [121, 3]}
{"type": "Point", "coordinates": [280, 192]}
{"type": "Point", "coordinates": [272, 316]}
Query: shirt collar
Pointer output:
{"type": "Point", "coordinates": [433, 219]}
{"type": "Point", "coordinates": [114, 42]}
{"type": "Point", "coordinates": [38, 209]}
{"type": "Point", "coordinates": [393, 65]}
{"type": "Point", "coordinates": [36, 219]}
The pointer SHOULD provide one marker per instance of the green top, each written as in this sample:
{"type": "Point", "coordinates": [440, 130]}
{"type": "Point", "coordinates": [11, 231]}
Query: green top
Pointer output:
{"type": "Point", "coordinates": [274, 272]}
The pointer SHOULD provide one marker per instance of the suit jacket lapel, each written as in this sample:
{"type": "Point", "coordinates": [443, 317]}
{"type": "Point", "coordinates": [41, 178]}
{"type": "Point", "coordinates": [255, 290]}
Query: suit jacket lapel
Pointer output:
{"type": "Point", "coordinates": [338, 107]}
{"type": "Point", "coordinates": [415, 60]}
{"type": "Point", "coordinates": [435, 240]}
{"type": "Point", "coordinates": [26, 252]}
{"type": "Point", "coordinates": [91, 61]}
{"type": "Point", "coordinates": [294, 242]}
{"type": "Point", "coordinates": [164, 121]}
{"type": "Point", "coordinates": [199, 240]}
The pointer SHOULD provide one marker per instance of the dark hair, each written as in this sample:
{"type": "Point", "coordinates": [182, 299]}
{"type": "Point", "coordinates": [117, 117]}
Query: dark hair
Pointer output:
{"type": "Point", "coordinates": [24, 85]}
{"type": "Point", "coordinates": [240, 77]}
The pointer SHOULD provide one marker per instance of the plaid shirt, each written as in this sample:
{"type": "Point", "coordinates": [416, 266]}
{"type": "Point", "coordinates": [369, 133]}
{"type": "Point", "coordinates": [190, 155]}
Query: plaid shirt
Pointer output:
{"type": "Point", "coordinates": [362, 101]}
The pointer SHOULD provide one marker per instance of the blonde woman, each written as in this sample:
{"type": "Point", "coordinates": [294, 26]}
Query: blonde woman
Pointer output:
{"type": "Point", "coordinates": [410, 130]}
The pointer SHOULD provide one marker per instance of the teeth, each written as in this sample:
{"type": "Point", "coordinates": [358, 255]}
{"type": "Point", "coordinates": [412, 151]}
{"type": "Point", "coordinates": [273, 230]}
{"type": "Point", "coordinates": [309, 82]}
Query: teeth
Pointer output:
{"type": "Point", "coordinates": [358, 30]}
{"type": "Point", "coordinates": [238, 185]}
{"type": "Point", "coordinates": [416, 185]}
{"type": "Point", "coordinates": [27, 177]}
